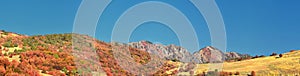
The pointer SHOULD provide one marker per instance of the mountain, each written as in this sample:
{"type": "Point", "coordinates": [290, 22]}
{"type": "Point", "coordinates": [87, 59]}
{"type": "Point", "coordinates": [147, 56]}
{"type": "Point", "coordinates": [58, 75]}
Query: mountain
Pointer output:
{"type": "Point", "coordinates": [170, 52]}
{"type": "Point", "coordinates": [76, 54]}
{"type": "Point", "coordinates": [235, 55]}
{"type": "Point", "coordinates": [61, 55]}
{"type": "Point", "coordinates": [207, 54]}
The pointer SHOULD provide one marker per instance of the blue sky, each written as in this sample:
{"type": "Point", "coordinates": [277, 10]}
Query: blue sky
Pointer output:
{"type": "Point", "coordinates": [253, 26]}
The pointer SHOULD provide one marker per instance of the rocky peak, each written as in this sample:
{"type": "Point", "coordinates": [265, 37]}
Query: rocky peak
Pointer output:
{"type": "Point", "coordinates": [232, 55]}
{"type": "Point", "coordinates": [208, 54]}
{"type": "Point", "coordinates": [170, 52]}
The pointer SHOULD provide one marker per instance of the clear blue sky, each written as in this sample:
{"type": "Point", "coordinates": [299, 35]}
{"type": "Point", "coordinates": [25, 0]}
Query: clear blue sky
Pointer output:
{"type": "Point", "coordinates": [253, 26]}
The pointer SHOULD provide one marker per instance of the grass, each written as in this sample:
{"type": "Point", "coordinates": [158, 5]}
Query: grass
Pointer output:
{"type": "Point", "coordinates": [289, 64]}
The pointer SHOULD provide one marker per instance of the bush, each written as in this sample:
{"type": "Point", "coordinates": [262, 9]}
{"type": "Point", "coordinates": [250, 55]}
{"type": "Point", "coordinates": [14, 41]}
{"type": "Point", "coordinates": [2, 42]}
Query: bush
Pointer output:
{"type": "Point", "coordinates": [230, 73]}
{"type": "Point", "coordinates": [19, 51]}
{"type": "Point", "coordinates": [280, 55]}
{"type": "Point", "coordinates": [44, 71]}
{"type": "Point", "coordinates": [65, 70]}
{"type": "Point", "coordinates": [2, 70]}
{"type": "Point", "coordinates": [15, 45]}
{"type": "Point", "coordinates": [5, 33]}
{"type": "Point", "coordinates": [292, 50]}
{"type": "Point", "coordinates": [239, 59]}
{"type": "Point", "coordinates": [256, 56]}
{"type": "Point", "coordinates": [175, 60]}
{"type": "Point", "coordinates": [273, 54]}
{"type": "Point", "coordinates": [7, 44]}
{"type": "Point", "coordinates": [10, 56]}
{"type": "Point", "coordinates": [252, 73]}
{"type": "Point", "coordinates": [237, 73]}
{"type": "Point", "coordinates": [56, 56]}
{"type": "Point", "coordinates": [262, 56]}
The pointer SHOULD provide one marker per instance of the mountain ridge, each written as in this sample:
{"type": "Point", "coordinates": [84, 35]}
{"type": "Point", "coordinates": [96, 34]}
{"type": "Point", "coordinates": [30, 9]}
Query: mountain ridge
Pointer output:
{"type": "Point", "coordinates": [61, 52]}
{"type": "Point", "coordinates": [173, 52]}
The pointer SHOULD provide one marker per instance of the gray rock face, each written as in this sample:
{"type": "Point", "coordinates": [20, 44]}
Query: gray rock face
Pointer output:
{"type": "Point", "coordinates": [232, 55]}
{"type": "Point", "coordinates": [170, 52]}
{"type": "Point", "coordinates": [207, 54]}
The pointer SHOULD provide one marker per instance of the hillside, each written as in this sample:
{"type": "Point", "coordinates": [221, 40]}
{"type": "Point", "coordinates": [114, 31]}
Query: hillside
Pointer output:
{"type": "Point", "coordinates": [54, 55]}
{"type": "Point", "coordinates": [81, 55]}
{"type": "Point", "coordinates": [289, 64]}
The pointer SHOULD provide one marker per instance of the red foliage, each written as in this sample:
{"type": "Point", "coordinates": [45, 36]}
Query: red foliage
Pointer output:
{"type": "Point", "coordinates": [12, 74]}
{"type": "Point", "coordinates": [230, 73]}
{"type": "Point", "coordinates": [14, 63]}
{"type": "Point", "coordinates": [4, 62]}
{"type": "Point", "coordinates": [56, 73]}
{"type": "Point", "coordinates": [253, 73]}
{"type": "Point", "coordinates": [70, 67]}
{"type": "Point", "coordinates": [174, 72]}
{"type": "Point", "coordinates": [2, 70]}
{"type": "Point", "coordinates": [109, 74]}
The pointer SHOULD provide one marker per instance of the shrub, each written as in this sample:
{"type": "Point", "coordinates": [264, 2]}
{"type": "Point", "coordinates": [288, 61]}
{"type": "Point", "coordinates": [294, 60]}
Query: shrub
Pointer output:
{"type": "Point", "coordinates": [2, 70]}
{"type": "Point", "coordinates": [237, 73]}
{"type": "Point", "coordinates": [19, 51]}
{"type": "Point", "coordinates": [256, 56]}
{"type": "Point", "coordinates": [203, 73]}
{"type": "Point", "coordinates": [10, 56]}
{"type": "Point", "coordinates": [230, 73]}
{"type": "Point", "coordinates": [175, 60]}
{"type": "Point", "coordinates": [239, 59]}
{"type": "Point", "coordinates": [5, 33]}
{"type": "Point", "coordinates": [65, 70]}
{"type": "Point", "coordinates": [57, 67]}
{"type": "Point", "coordinates": [15, 45]}
{"type": "Point", "coordinates": [290, 51]}
{"type": "Point", "coordinates": [7, 44]}
{"type": "Point", "coordinates": [280, 55]}
{"type": "Point", "coordinates": [273, 54]}
{"type": "Point", "coordinates": [262, 56]}
{"type": "Point", "coordinates": [252, 73]}
{"type": "Point", "coordinates": [44, 71]}
{"type": "Point", "coordinates": [56, 56]}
